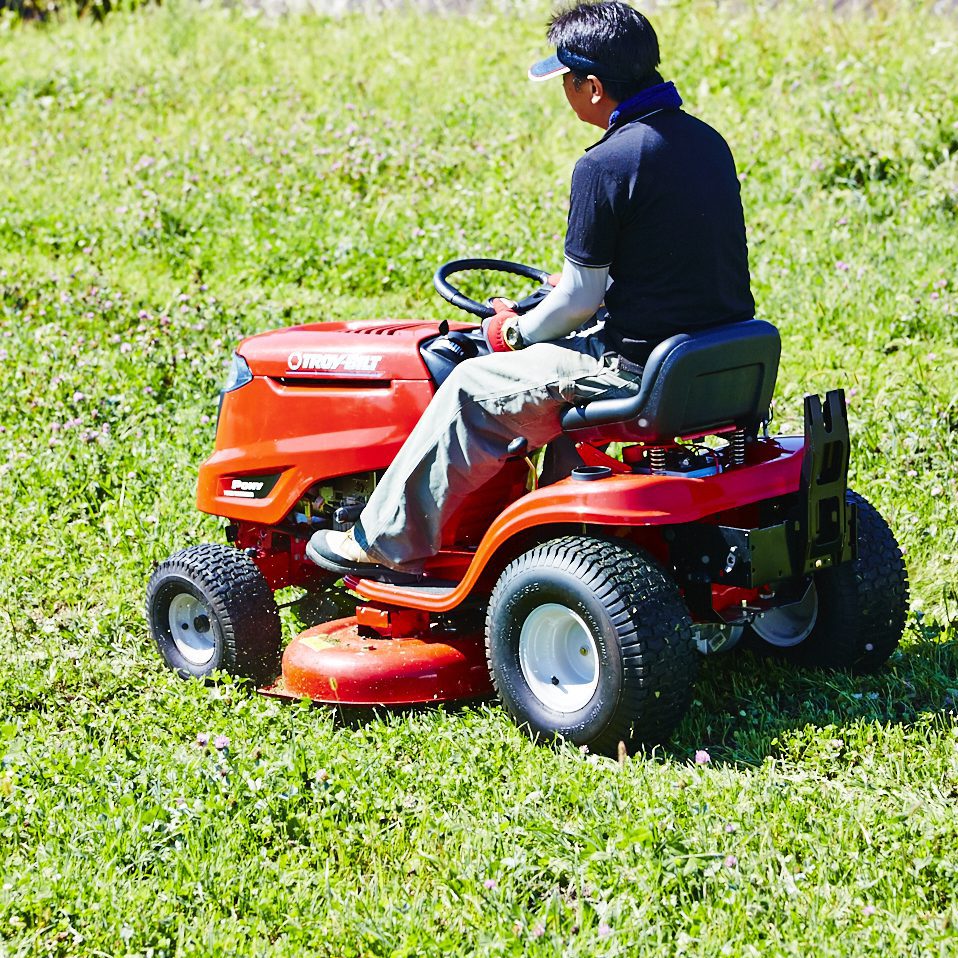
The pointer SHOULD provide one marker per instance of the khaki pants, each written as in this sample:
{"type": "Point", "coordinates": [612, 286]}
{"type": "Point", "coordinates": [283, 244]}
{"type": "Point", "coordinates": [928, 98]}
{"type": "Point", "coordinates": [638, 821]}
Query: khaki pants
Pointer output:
{"type": "Point", "coordinates": [460, 442]}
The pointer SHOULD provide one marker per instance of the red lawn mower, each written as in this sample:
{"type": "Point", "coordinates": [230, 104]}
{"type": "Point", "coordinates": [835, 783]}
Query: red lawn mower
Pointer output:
{"type": "Point", "coordinates": [680, 527]}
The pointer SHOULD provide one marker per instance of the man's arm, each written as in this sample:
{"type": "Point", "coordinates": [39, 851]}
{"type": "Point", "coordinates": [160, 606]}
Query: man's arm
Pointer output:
{"type": "Point", "coordinates": [589, 251]}
{"type": "Point", "coordinates": [574, 300]}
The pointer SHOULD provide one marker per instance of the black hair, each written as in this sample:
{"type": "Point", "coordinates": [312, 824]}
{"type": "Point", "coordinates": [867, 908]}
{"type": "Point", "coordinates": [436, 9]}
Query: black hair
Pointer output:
{"type": "Point", "coordinates": [613, 34]}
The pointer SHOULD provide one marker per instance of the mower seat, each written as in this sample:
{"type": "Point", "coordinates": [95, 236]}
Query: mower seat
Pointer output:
{"type": "Point", "coordinates": [710, 379]}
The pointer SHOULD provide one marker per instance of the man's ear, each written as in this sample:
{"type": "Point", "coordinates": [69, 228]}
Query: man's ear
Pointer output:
{"type": "Point", "coordinates": [597, 91]}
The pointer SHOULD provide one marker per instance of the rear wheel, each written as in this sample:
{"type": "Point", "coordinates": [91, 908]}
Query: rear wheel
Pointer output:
{"type": "Point", "coordinates": [849, 617]}
{"type": "Point", "coordinates": [209, 608]}
{"type": "Point", "coordinates": [589, 640]}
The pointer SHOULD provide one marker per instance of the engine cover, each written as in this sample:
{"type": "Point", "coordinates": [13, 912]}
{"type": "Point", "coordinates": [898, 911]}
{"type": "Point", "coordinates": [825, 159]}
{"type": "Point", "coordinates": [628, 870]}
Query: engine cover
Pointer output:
{"type": "Point", "coordinates": [326, 400]}
{"type": "Point", "coordinates": [373, 350]}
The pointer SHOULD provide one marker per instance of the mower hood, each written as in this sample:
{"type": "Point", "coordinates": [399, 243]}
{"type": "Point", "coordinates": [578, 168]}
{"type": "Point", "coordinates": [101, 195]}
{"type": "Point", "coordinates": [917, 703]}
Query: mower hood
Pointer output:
{"type": "Point", "coordinates": [375, 350]}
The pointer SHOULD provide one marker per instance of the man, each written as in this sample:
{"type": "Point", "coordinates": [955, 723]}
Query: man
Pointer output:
{"type": "Point", "coordinates": [655, 230]}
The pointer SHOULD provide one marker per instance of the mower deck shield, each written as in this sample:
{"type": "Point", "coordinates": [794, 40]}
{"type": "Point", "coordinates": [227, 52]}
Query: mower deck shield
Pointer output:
{"type": "Point", "coordinates": [336, 664]}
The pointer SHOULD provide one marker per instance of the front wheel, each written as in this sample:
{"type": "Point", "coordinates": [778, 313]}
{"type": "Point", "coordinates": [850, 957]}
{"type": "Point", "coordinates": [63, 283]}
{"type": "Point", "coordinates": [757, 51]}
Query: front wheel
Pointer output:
{"type": "Point", "coordinates": [849, 617]}
{"type": "Point", "coordinates": [590, 641]}
{"type": "Point", "coordinates": [209, 608]}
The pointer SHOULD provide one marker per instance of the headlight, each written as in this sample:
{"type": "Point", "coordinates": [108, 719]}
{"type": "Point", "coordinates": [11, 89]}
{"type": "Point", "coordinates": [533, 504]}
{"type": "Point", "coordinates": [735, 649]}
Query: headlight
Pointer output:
{"type": "Point", "coordinates": [239, 374]}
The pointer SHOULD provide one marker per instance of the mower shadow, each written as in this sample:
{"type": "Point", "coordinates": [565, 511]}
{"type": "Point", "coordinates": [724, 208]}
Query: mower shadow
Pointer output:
{"type": "Point", "coordinates": [745, 706]}
{"type": "Point", "coordinates": [359, 716]}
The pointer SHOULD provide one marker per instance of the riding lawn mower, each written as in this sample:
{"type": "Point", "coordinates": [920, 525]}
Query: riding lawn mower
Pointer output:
{"type": "Point", "coordinates": [582, 599]}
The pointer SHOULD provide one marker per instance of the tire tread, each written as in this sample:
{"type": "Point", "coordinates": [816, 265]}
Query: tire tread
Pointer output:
{"type": "Point", "coordinates": [239, 596]}
{"type": "Point", "coordinates": [645, 608]}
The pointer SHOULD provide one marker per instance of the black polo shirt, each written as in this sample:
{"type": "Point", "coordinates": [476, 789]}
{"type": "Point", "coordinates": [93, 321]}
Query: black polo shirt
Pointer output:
{"type": "Point", "coordinates": [657, 200]}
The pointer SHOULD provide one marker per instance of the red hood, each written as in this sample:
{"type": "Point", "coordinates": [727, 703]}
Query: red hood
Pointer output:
{"type": "Point", "coordinates": [374, 349]}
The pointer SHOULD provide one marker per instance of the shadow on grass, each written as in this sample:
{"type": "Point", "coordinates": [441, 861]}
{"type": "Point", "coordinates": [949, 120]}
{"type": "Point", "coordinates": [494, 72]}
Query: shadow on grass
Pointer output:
{"type": "Point", "coordinates": [746, 707]}
{"type": "Point", "coordinates": [358, 716]}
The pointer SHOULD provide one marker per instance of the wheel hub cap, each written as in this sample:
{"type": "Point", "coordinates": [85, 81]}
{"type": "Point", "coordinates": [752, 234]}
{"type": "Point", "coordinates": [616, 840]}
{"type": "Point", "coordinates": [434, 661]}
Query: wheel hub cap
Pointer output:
{"type": "Point", "coordinates": [559, 658]}
{"type": "Point", "coordinates": [191, 629]}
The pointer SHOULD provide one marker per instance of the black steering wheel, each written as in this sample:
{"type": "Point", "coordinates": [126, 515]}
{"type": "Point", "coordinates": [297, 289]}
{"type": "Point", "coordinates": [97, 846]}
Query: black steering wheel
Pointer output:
{"type": "Point", "coordinates": [452, 295]}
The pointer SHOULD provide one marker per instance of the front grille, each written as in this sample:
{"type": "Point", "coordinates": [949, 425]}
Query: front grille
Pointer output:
{"type": "Point", "coordinates": [331, 382]}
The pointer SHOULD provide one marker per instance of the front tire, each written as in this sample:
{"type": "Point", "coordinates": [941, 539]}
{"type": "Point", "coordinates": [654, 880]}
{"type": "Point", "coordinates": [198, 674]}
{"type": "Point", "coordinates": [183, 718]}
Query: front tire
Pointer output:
{"type": "Point", "coordinates": [589, 640]}
{"type": "Point", "coordinates": [851, 617]}
{"type": "Point", "coordinates": [209, 608]}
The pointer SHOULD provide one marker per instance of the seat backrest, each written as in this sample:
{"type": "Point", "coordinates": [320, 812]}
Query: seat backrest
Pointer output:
{"type": "Point", "coordinates": [694, 382]}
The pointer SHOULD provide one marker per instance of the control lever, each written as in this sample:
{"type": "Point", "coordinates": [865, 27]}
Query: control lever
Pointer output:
{"type": "Point", "coordinates": [519, 449]}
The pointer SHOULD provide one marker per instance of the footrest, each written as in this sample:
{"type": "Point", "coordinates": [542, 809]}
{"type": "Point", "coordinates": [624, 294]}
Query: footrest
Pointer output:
{"type": "Point", "coordinates": [399, 594]}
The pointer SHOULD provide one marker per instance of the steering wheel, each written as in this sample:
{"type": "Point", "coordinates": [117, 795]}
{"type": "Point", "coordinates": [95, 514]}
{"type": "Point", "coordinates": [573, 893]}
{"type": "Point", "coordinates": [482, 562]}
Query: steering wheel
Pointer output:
{"type": "Point", "coordinates": [452, 295]}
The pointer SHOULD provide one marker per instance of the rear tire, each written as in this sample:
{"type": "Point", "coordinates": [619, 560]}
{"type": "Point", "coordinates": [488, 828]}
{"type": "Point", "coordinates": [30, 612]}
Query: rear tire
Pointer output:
{"type": "Point", "coordinates": [589, 640]}
{"type": "Point", "coordinates": [858, 614]}
{"type": "Point", "coordinates": [209, 608]}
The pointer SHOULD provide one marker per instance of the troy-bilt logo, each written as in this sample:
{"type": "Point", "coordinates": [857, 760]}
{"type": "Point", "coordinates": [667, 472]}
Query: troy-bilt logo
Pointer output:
{"type": "Point", "coordinates": [332, 362]}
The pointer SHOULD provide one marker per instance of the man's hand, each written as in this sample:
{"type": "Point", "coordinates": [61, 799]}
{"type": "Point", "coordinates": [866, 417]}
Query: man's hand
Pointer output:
{"type": "Point", "coordinates": [493, 328]}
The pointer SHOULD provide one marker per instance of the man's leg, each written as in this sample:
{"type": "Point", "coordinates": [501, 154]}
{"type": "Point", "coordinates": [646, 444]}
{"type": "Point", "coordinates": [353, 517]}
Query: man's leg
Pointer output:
{"type": "Point", "coordinates": [461, 440]}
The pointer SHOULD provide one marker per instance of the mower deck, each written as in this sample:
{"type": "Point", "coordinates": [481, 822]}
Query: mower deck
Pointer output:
{"type": "Point", "coordinates": [339, 663]}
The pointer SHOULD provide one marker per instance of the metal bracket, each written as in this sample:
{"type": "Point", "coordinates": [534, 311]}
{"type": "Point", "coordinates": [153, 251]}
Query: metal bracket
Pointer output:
{"type": "Point", "coordinates": [828, 522]}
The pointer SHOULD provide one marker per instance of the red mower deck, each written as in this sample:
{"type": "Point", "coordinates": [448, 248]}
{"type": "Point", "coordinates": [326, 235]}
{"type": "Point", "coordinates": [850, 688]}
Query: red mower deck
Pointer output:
{"type": "Point", "coordinates": [335, 664]}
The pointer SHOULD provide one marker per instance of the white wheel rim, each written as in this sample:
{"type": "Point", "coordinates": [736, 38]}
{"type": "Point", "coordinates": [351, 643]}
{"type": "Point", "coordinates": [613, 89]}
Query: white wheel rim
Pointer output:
{"type": "Point", "coordinates": [789, 624]}
{"type": "Point", "coordinates": [559, 658]}
{"type": "Point", "coordinates": [192, 629]}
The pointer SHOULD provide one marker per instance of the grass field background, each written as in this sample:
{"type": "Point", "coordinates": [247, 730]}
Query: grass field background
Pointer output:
{"type": "Point", "coordinates": [176, 179]}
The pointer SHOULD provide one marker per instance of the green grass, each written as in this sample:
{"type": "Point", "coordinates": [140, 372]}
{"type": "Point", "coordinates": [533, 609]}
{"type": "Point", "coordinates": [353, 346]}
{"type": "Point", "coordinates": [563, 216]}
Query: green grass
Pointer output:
{"type": "Point", "coordinates": [177, 179]}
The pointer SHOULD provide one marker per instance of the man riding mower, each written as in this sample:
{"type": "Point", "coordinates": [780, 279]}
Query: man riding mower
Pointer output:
{"type": "Point", "coordinates": [395, 455]}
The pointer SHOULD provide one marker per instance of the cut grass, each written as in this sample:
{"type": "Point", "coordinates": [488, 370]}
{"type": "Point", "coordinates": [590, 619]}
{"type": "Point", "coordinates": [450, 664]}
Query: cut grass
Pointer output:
{"type": "Point", "coordinates": [178, 179]}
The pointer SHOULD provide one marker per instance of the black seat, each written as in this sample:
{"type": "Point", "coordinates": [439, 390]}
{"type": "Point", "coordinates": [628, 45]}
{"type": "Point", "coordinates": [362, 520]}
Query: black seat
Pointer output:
{"type": "Point", "coordinates": [693, 382]}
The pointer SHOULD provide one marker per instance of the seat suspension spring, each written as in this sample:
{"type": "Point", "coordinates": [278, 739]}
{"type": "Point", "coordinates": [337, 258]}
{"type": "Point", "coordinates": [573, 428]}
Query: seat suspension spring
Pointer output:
{"type": "Point", "coordinates": [738, 447]}
{"type": "Point", "coordinates": [657, 459]}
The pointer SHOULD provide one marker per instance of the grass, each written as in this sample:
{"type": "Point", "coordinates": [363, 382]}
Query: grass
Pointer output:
{"type": "Point", "coordinates": [177, 179]}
